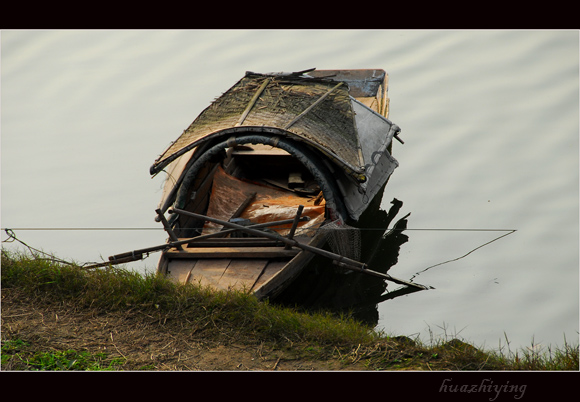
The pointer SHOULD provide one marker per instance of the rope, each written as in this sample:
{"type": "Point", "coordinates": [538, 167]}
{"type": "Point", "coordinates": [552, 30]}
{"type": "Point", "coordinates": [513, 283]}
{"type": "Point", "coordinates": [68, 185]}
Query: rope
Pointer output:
{"type": "Point", "coordinates": [463, 256]}
{"type": "Point", "coordinates": [12, 238]}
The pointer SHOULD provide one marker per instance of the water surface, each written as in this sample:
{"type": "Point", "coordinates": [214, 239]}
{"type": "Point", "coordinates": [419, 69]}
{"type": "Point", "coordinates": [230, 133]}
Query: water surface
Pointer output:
{"type": "Point", "coordinates": [489, 120]}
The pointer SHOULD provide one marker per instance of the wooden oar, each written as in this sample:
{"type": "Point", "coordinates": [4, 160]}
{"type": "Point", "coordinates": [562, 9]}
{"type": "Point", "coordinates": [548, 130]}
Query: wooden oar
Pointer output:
{"type": "Point", "coordinates": [136, 255]}
{"type": "Point", "coordinates": [338, 259]}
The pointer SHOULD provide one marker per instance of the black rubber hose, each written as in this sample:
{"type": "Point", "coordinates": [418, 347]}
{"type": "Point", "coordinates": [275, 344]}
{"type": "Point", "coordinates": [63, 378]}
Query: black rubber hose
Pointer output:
{"type": "Point", "coordinates": [308, 158]}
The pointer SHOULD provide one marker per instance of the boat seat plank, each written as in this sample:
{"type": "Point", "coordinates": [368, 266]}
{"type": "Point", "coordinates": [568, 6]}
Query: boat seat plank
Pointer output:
{"type": "Point", "coordinates": [235, 242]}
{"type": "Point", "coordinates": [232, 252]}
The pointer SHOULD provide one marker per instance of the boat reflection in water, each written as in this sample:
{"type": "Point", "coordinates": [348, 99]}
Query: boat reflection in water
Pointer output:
{"type": "Point", "coordinates": [322, 289]}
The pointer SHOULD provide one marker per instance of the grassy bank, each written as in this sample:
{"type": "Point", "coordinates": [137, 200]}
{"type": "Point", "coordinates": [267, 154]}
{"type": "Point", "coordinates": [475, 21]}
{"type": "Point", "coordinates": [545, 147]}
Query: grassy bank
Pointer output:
{"type": "Point", "coordinates": [60, 317]}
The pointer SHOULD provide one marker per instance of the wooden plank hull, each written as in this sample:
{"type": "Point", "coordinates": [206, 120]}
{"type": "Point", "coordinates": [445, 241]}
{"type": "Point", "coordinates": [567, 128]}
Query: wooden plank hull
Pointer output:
{"type": "Point", "coordinates": [228, 264]}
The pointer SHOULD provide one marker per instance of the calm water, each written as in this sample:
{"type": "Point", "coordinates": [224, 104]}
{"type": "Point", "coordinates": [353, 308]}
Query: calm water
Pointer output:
{"type": "Point", "coordinates": [489, 118]}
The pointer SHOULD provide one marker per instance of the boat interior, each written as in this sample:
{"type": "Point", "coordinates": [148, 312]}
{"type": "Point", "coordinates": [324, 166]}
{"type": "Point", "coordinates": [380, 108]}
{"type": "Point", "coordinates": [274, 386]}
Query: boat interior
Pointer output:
{"type": "Point", "coordinates": [253, 184]}
{"type": "Point", "coordinates": [248, 185]}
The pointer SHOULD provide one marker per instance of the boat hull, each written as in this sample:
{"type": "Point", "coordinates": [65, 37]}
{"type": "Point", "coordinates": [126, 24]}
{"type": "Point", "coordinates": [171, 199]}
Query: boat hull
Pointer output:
{"type": "Point", "coordinates": [264, 270]}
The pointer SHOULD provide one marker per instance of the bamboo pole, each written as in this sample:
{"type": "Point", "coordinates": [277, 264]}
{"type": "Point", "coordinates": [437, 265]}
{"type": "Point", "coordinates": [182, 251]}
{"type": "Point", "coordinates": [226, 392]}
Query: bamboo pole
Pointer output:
{"type": "Point", "coordinates": [309, 108]}
{"type": "Point", "coordinates": [240, 209]}
{"type": "Point", "coordinates": [131, 258]}
{"type": "Point", "coordinates": [138, 254]}
{"type": "Point", "coordinates": [338, 259]}
{"type": "Point", "coordinates": [294, 225]}
{"type": "Point", "coordinates": [167, 227]}
{"type": "Point", "coordinates": [253, 101]}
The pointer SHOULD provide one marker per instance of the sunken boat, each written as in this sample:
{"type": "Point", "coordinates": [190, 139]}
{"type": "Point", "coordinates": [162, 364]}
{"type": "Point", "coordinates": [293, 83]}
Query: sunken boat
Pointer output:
{"type": "Point", "coordinates": [273, 173]}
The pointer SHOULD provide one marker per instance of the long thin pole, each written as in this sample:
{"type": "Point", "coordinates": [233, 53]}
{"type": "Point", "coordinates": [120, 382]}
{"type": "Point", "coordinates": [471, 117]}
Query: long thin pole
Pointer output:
{"type": "Point", "coordinates": [167, 227]}
{"type": "Point", "coordinates": [309, 108]}
{"type": "Point", "coordinates": [138, 254]}
{"type": "Point", "coordinates": [203, 237]}
{"type": "Point", "coordinates": [340, 260]}
{"type": "Point", "coordinates": [253, 101]}
{"type": "Point", "coordinates": [295, 225]}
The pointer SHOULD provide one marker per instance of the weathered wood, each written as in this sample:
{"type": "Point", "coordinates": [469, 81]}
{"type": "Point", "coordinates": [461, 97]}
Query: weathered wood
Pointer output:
{"type": "Point", "coordinates": [167, 227]}
{"type": "Point", "coordinates": [273, 268]}
{"type": "Point", "coordinates": [253, 101]}
{"type": "Point", "coordinates": [232, 252]}
{"type": "Point", "coordinates": [208, 272]}
{"type": "Point", "coordinates": [243, 206]}
{"type": "Point", "coordinates": [181, 270]}
{"type": "Point", "coordinates": [189, 273]}
{"type": "Point", "coordinates": [309, 108]}
{"type": "Point", "coordinates": [138, 254]}
{"type": "Point", "coordinates": [281, 277]}
{"type": "Point", "coordinates": [203, 189]}
{"type": "Point", "coordinates": [235, 242]}
{"type": "Point", "coordinates": [240, 210]}
{"type": "Point", "coordinates": [242, 274]}
{"type": "Point", "coordinates": [338, 259]}
{"type": "Point", "coordinates": [294, 225]}
{"type": "Point", "coordinates": [295, 180]}
{"type": "Point", "coordinates": [223, 274]}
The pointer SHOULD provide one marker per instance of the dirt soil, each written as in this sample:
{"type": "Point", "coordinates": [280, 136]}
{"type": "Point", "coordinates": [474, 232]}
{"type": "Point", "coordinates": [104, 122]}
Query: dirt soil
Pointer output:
{"type": "Point", "coordinates": [149, 341]}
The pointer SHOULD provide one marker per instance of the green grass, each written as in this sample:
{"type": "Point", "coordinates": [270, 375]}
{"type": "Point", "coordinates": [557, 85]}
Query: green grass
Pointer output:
{"type": "Point", "coordinates": [16, 356]}
{"type": "Point", "coordinates": [537, 357]}
{"type": "Point", "coordinates": [235, 315]}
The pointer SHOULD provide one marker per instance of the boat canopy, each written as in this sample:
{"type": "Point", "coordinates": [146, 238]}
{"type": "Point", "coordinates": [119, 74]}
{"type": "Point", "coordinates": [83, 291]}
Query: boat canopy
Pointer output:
{"type": "Point", "coordinates": [315, 109]}
{"type": "Point", "coordinates": [339, 113]}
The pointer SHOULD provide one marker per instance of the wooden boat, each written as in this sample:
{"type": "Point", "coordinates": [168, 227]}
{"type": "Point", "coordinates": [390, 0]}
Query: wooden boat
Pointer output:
{"type": "Point", "coordinates": [275, 171]}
